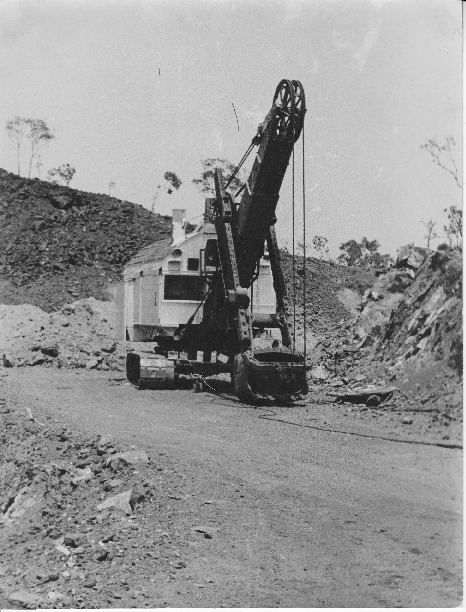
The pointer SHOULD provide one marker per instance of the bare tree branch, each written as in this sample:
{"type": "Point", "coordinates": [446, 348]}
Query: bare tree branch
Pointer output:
{"type": "Point", "coordinates": [443, 157]}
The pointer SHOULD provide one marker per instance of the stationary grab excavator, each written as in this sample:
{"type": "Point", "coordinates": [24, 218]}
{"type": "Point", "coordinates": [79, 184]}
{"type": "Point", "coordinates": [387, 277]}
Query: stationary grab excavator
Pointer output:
{"type": "Point", "coordinates": [245, 232]}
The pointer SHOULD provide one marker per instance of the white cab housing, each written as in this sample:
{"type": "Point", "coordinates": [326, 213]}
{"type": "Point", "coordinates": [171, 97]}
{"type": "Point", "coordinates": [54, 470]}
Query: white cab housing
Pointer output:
{"type": "Point", "coordinates": [164, 286]}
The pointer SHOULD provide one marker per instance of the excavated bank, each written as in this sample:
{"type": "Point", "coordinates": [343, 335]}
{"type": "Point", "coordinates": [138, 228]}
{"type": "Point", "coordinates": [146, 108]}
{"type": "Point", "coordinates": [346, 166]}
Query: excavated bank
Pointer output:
{"type": "Point", "coordinates": [79, 335]}
{"type": "Point", "coordinates": [408, 333]}
{"type": "Point", "coordinates": [60, 244]}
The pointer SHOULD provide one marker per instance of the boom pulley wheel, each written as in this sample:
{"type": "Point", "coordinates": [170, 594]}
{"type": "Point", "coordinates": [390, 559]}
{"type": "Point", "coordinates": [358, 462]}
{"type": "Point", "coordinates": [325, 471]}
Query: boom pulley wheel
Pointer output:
{"type": "Point", "coordinates": [291, 106]}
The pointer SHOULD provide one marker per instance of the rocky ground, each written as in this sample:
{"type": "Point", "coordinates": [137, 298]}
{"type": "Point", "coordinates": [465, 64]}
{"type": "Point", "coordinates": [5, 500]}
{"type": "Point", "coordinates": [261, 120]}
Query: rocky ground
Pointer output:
{"type": "Point", "coordinates": [402, 351]}
{"type": "Point", "coordinates": [386, 350]}
{"type": "Point", "coordinates": [60, 244]}
{"type": "Point", "coordinates": [79, 335]}
{"type": "Point", "coordinates": [85, 522]}
{"type": "Point", "coordinates": [114, 498]}
{"type": "Point", "coordinates": [333, 293]}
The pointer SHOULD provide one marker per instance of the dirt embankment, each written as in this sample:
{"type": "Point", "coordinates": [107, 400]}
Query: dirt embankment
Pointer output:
{"type": "Point", "coordinates": [332, 292]}
{"type": "Point", "coordinates": [404, 347]}
{"type": "Point", "coordinates": [60, 244]}
{"type": "Point", "coordinates": [79, 335]}
{"type": "Point", "coordinates": [402, 328]}
{"type": "Point", "coordinates": [427, 325]}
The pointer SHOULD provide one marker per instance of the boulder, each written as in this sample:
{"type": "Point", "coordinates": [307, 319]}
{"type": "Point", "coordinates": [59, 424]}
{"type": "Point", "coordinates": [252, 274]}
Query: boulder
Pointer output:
{"type": "Point", "coordinates": [25, 598]}
{"type": "Point", "coordinates": [55, 596]}
{"type": "Point", "coordinates": [112, 484]}
{"type": "Point", "coordinates": [435, 301]}
{"type": "Point", "coordinates": [83, 475]}
{"type": "Point", "coordinates": [138, 495]}
{"type": "Point", "coordinates": [38, 225]}
{"type": "Point", "coordinates": [319, 373]}
{"type": "Point", "coordinates": [61, 201]}
{"type": "Point", "coordinates": [73, 540]}
{"type": "Point", "coordinates": [120, 502]}
{"type": "Point", "coordinates": [119, 460]}
{"type": "Point", "coordinates": [108, 347]}
{"type": "Point", "coordinates": [104, 442]}
{"type": "Point", "coordinates": [38, 359]}
{"type": "Point", "coordinates": [7, 362]}
{"type": "Point", "coordinates": [371, 295]}
{"type": "Point", "coordinates": [51, 350]}
{"type": "Point", "coordinates": [411, 257]}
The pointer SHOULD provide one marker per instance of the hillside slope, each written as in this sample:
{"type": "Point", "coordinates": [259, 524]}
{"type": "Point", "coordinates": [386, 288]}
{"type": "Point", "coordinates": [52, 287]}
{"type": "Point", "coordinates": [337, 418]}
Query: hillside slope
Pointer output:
{"type": "Point", "coordinates": [332, 291]}
{"type": "Point", "coordinates": [408, 333]}
{"type": "Point", "coordinates": [427, 325]}
{"type": "Point", "coordinates": [60, 244]}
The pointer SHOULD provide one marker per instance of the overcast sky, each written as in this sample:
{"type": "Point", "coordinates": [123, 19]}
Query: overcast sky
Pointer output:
{"type": "Point", "coordinates": [134, 88]}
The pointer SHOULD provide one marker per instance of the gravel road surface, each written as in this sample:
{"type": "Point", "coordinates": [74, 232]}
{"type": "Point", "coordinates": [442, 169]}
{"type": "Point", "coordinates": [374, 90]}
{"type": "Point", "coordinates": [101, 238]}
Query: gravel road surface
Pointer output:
{"type": "Point", "coordinates": [301, 516]}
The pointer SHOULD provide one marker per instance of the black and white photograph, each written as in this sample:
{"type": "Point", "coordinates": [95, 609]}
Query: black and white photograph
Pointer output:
{"type": "Point", "coordinates": [231, 327]}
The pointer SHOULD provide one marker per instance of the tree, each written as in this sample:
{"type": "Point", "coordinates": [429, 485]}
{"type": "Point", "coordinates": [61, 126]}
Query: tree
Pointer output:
{"type": "Point", "coordinates": [430, 234]}
{"type": "Point", "coordinates": [320, 244]}
{"type": "Point", "coordinates": [205, 184]}
{"type": "Point", "coordinates": [16, 130]}
{"type": "Point", "coordinates": [38, 135]}
{"type": "Point", "coordinates": [454, 229]}
{"type": "Point", "coordinates": [65, 172]}
{"type": "Point", "coordinates": [34, 130]}
{"type": "Point", "coordinates": [38, 165]}
{"type": "Point", "coordinates": [364, 254]}
{"type": "Point", "coordinates": [172, 182]}
{"type": "Point", "coordinates": [442, 156]}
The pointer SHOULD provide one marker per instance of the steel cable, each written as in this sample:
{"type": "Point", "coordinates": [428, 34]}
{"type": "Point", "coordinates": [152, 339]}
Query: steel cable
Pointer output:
{"type": "Point", "coordinates": [293, 268]}
{"type": "Point", "coordinates": [304, 255]}
{"type": "Point", "coordinates": [238, 167]}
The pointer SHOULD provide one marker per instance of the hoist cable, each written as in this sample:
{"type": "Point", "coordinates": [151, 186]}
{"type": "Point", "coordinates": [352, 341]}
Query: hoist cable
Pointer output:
{"type": "Point", "coordinates": [293, 242]}
{"type": "Point", "coordinates": [304, 253]}
{"type": "Point", "coordinates": [242, 188]}
{"type": "Point", "coordinates": [238, 167]}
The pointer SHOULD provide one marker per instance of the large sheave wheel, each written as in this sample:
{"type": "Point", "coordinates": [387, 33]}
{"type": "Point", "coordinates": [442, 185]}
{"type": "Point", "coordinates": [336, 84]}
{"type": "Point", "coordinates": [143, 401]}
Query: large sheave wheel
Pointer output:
{"type": "Point", "coordinates": [291, 107]}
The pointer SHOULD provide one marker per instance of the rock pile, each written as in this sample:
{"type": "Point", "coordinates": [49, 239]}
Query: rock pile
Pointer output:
{"type": "Point", "coordinates": [84, 523]}
{"type": "Point", "coordinates": [59, 243]}
{"type": "Point", "coordinates": [427, 324]}
{"type": "Point", "coordinates": [332, 291]}
{"type": "Point", "coordinates": [408, 333]}
{"type": "Point", "coordinates": [413, 310]}
{"type": "Point", "coordinates": [79, 335]}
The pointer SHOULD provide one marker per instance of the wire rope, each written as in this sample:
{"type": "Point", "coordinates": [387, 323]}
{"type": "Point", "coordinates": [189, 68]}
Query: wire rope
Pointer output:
{"type": "Point", "coordinates": [293, 248]}
{"type": "Point", "coordinates": [304, 253]}
{"type": "Point", "coordinates": [238, 167]}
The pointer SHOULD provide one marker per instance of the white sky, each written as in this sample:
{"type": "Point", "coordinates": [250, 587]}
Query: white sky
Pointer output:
{"type": "Point", "coordinates": [135, 88]}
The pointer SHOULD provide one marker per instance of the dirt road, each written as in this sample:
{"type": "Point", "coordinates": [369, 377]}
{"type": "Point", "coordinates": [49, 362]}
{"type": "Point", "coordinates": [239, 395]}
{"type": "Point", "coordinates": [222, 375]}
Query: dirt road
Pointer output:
{"type": "Point", "coordinates": [306, 517]}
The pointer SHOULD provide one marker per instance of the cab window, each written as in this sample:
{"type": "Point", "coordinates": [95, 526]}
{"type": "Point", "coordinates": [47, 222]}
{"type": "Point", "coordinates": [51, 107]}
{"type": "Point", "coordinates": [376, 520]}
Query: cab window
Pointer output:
{"type": "Point", "coordinates": [183, 287]}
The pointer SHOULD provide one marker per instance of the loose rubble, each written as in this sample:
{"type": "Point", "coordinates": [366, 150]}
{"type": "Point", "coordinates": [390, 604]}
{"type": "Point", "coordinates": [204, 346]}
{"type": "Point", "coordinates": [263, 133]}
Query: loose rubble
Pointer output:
{"type": "Point", "coordinates": [79, 335]}
{"type": "Point", "coordinates": [367, 329]}
{"type": "Point", "coordinates": [60, 244]}
{"type": "Point", "coordinates": [408, 332]}
{"type": "Point", "coordinates": [79, 523]}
